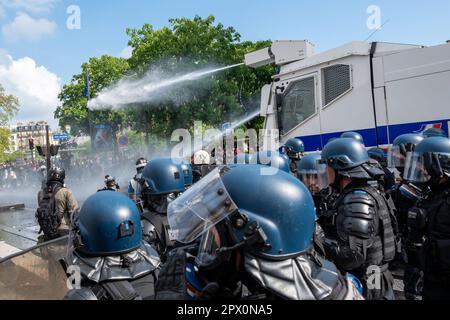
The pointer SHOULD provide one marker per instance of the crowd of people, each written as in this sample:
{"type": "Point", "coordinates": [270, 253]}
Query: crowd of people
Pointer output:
{"type": "Point", "coordinates": [329, 225]}
{"type": "Point", "coordinates": [21, 174]}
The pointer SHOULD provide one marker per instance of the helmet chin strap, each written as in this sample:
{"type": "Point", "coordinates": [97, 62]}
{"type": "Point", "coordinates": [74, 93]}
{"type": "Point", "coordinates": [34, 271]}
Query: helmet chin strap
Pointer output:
{"type": "Point", "coordinates": [255, 236]}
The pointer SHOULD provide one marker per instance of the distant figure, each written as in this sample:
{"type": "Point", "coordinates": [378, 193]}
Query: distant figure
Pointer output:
{"type": "Point", "coordinates": [56, 205]}
{"type": "Point", "coordinates": [110, 184]}
{"type": "Point", "coordinates": [134, 187]}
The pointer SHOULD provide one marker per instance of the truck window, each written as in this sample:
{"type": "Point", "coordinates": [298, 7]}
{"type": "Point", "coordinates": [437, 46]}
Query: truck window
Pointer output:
{"type": "Point", "coordinates": [299, 103]}
{"type": "Point", "coordinates": [336, 82]}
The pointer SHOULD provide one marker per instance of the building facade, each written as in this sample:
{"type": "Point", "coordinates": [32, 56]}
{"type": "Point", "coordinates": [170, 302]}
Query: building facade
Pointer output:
{"type": "Point", "coordinates": [22, 132]}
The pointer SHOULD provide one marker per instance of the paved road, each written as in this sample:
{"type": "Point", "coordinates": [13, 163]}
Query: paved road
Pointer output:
{"type": "Point", "coordinates": [18, 229]}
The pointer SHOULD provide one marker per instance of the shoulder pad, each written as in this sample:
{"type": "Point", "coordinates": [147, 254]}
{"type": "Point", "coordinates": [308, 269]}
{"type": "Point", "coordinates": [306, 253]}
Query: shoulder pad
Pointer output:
{"type": "Point", "coordinates": [81, 294]}
{"type": "Point", "coordinates": [359, 196]}
{"type": "Point", "coordinates": [357, 216]}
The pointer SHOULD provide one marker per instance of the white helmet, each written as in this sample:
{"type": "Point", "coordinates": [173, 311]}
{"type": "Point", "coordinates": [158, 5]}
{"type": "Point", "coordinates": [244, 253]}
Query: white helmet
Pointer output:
{"type": "Point", "coordinates": [202, 157]}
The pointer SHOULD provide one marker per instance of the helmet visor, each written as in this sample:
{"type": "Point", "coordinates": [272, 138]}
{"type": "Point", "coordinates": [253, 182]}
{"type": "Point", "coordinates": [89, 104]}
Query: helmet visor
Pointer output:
{"type": "Point", "coordinates": [415, 168]}
{"type": "Point", "coordinates": [201, 207]}
{"type": "Point", "coordinates": [209, 244]}
{"type": "Point", "coordinates": [396, 158]}
{"type": "Point", "coordinates": [314, 180]}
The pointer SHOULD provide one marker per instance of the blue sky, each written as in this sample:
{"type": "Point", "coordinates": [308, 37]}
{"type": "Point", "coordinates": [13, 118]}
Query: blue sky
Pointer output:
{"type": "Point", "coordinates": [36, 29]}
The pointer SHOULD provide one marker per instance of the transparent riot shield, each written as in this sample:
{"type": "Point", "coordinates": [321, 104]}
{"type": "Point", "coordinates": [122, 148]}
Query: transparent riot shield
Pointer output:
{"type": "Point", "coordinates": [35, 274]}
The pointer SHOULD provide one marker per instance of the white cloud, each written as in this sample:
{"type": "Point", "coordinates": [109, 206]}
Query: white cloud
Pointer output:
{"type": "Point", "coordinates": [126, 52]}
{"type": "Point", "coordinates": [33, 6]}
{"type": "Point", "coordinates": [36, 87]}
{"type": "Point", "coordinates": [27, 28]}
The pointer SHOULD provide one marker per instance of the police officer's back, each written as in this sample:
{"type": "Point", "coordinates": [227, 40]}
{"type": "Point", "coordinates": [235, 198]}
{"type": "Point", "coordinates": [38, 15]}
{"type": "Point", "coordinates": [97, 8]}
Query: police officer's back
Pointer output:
{"type": "Point", "coordinates": [107, 247]}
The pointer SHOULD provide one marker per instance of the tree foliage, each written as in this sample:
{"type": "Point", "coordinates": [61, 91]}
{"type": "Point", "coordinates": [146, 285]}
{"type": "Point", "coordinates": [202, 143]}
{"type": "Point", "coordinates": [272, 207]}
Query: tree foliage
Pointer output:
{"type": "Point", "coordinates": [185, 45]}
{"type": "Point", "coordinates": [73, 110]}
{"type": "Point", "coordinates": [9, 105]}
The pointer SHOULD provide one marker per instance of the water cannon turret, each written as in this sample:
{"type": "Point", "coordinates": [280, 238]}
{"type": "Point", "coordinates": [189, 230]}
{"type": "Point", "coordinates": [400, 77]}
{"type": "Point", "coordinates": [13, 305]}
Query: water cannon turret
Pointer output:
{"type": "Point", "coordinates": [280, 53]}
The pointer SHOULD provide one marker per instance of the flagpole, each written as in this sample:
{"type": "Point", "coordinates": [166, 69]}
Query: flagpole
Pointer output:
{"type": "Point", "coordinates": [88, 96]}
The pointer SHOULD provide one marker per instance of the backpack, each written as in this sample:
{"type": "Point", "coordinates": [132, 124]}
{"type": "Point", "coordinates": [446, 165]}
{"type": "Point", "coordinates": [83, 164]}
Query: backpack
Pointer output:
{"type": "Point", "coordinates": [46, 215]}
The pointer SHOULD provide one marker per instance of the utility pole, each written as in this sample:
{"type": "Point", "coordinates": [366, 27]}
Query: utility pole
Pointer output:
{"type": "Point", "coordinates": [48, 153]}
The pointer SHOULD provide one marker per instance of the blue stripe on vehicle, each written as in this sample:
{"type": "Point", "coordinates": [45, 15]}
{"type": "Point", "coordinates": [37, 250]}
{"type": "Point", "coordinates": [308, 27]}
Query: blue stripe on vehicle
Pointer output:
{"type": "Point", "coordinates": [316, 142]}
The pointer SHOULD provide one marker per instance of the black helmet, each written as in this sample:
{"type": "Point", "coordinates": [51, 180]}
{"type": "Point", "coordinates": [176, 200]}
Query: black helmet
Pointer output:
{"type": "Point", "coordinates": [140, 164]}
{"type": "Point", "coordinates": [56, 175]}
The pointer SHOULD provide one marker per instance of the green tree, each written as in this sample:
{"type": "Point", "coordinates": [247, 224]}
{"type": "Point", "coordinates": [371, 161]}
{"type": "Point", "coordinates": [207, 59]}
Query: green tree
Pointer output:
{"type": "Point", "coordinates": [73, 110]}
{"type": "Point", "coordinates": [202, 43]}
{"type": "Point", "coordinates": [9, 105]}
{"type": "Point", "coordinates": [185, 45]}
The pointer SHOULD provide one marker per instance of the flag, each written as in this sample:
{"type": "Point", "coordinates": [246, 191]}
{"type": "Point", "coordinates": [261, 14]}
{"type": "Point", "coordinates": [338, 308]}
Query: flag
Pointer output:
{"type": "Point", "coordinates": [86, 91]}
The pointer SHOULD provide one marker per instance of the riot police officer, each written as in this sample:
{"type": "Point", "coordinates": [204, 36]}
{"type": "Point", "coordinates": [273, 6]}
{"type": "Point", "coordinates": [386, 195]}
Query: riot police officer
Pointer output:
{"type": "Point", "coordinates": [360, 236]}
{"type": "Point", "coordinates": [295, 149]}
{"type": "Point", "coordinates": [405, 194]}
{"type": "Point", "coordinates": [163, 178]}
{"type": "Point", "coordinates": [251, 247]}
{"type": "Point", "coordinates": [353, 135]}
{"type": "Point", "coordinates": [272, 159]}
{"type": "Point", "coordinates": [320, 192]}
{"type": "Point", "coordinates": [429, 220]}
{"type": "Point", "coordinates": [106, 247]}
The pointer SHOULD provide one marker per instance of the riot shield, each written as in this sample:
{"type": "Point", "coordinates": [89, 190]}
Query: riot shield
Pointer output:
{"type": "Point", "coordinates": [35, 274]}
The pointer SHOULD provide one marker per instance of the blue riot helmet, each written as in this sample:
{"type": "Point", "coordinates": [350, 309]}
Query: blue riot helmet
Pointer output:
{"type": "Point", "coordinates": [163, 176]}
{"type": "Point", "coordinates": [187, 173]}
{"type": "Point", "coordinates": [401, 146]}
{"type": "Point", "coordinates": [309, 173]}
{"type": "Point", "coordinates": [429, 162]}
{"type": "Point", "coordinates": [242, 198]}
{"type": "Point", "coordinates": [434, 132]}
{"type": "Point", "coordinates": [348, 158]}
{"type": "Point", "coordinates": [345, 154]}
{"type": "Point", "coordinates": [272, 159]}
{"type": "Point", "coordinates": [353, 135]}
{"type": "Point", "coordinates": [379, 155]}
{"type": "Point", "coordinates": [294, 148]}
{"type": "Point", "coordinates": [108, 224]}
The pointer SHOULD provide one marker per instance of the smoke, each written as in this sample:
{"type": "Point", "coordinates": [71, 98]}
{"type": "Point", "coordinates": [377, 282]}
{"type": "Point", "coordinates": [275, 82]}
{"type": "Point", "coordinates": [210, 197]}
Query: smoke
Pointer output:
{"type": "Point", "coordinates": [155, 86]}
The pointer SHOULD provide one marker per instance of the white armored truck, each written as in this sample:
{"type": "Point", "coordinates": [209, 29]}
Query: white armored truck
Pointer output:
{"type": "Point", "coordinates": [381, 90]}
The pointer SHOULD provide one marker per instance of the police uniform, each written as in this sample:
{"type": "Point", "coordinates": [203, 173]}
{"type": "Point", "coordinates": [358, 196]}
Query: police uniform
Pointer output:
{"type": "Point", "coordinates": [437, 244]}
{"type": "Point", "coordinates": [363, 239]}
